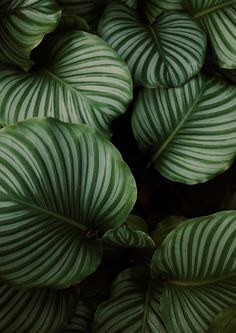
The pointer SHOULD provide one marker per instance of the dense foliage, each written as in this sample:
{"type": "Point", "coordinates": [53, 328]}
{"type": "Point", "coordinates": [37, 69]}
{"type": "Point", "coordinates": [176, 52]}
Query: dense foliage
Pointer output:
{"type": "Point", "coordinates": [117, 173]}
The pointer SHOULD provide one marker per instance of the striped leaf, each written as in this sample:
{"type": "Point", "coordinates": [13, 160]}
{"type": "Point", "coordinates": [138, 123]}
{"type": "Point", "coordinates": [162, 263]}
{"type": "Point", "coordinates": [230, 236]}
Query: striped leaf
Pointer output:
{"type": "Point", "coordinates": [84, 81]}
{"type": "Point", "coordinates": [80, 321]}
{"type": "Point", "coordinates": [126, 236]}
{"type": "Point", "coordinates": [224, 322]}
{"type": "Point", "coordinates": [189, 132]}
{"type": "Point", "coordinates": [198, 261]}
{"type": "Point", "coordinates": [40, 311]}
{"type": "Point", "coordinates": [150, 9]}
{"type": "Point", "coordinates": [133, 306]}
{"type": "Point", "coordinates": [60, 185]}
{"type": "Point", "coordinates": [218, 19]}
{"type": "Point", "coordinates": [164, 227]}
{"type": "Point", "coordinates": [23, 25]}
{"type": "Point", "coordinates": [167, 53]}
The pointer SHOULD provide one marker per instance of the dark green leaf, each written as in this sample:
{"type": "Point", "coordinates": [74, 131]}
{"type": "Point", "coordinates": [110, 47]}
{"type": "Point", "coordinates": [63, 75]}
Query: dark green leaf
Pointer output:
{"type": "Point", "coordinates": [198, 260]}
{"type": "Point", "coordinates": [167, 53]}
{"type": "Point", "coordinates": [84, 81]}
{"type": "Point", "coordinates": [133, 306]}
{"type": "Point", "coordinates": [36, 311]}
{"type": "Point", "coordinates": [60, 185]}
{"type": "Point", "coordinates": [23, 24]}
{"type": "Point", "coordinates": [189, 132]}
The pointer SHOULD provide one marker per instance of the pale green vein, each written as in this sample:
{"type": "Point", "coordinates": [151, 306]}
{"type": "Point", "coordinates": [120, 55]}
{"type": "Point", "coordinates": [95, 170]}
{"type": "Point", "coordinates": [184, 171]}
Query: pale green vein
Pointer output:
{"type": "Point", "coordinates": [200, 282]}
{"type": "Point", "coordinates": [213, 9]}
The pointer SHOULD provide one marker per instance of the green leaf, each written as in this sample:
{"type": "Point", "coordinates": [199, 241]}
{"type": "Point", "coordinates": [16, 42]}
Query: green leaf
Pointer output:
{"type": "Point", "coordinates": [37, 311]}
{"type": "Point", "coordinates": [217, 18]}
{"type": "Point", "coordinates": [198, 261]}
{"type": "Point", "coordinates": [61, 185]}
{"type": "Point", "coordinates": [137, 223]}
{"type": "Point", "coordinates": [168, 4]}
{"type": "Point", "coordinates": [80, 321]}
{"type": "Point", "coordinates": [23, 26]}
{"type": "Point", "coordinates": [224, 322]}
{"type": "Point", "coordinates": [84, 81]}
{"type": "Point", "coordinates": [189, 132]}
{"type": "Point", "coordinates": [90, 10]}
{"type": "Point", "coordinates": [133, 306]}
{"type": "Point", "coordinates": [229, 75]}
{"type": "Point", "coordinates": [126, 236]}
{"type": "Point", "coordinates": [150, 9]}
{"type": "Point", "coordinates": [167, 53]}
{"type": "Point", "coordinates": [164, 227]}
{"type": "Point", "coordinates": [72, 22]}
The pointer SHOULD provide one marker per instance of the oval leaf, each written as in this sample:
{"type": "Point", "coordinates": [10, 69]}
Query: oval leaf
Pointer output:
{"type": "Point", "coordinates": [23, 25]}
{"type": "Point", "coordinates": [189, 132]}
{"type": "Point", "coordinates": [133, 306]}
{"type": "Point", "coordinates": [167, 53]}
{"type": "Point", "coordinates": [40, 311]}
{"type": "Point", "coordinates": [61, 184]}
{"type": "Point", "coordinates": [85, 81]}
{"type": "Point", "coordinates": [198, 261]}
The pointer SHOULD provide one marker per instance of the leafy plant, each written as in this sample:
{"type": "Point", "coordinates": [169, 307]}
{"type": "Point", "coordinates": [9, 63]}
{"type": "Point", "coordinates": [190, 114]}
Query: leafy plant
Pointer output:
{"type": "Point", "coordinates": [117, 173]}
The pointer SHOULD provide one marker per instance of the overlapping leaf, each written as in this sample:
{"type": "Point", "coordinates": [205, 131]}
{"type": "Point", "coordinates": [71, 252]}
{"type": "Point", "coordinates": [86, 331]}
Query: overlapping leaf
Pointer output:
{"type": "Point", "coordinates": [84, 81]}
{"type": "Point", "coordinates": [167, 53]}
{"type": "Point", "coordinates": [90, 10]}
{"type": "Point", "coordinates": [40, 311]}
{"type": "Point", "coordinates": [23, 25]}
{"type": "Point", "coordinates": [198, 261]}
{"type": "Point", "coordinates": [126, 236]}
{"type": "Point", "coordinates": [60, 184]}
{"type": "Point", "coordinates": [133, 306]}
{"type": "Point", "coordinates": [81, 320]}
{"type": "Point", "coordinates": [189, 132]}
{"type": "Point", "coordinates": [217, 18]}
{"type": "Point", "coordinates": [224, 322]}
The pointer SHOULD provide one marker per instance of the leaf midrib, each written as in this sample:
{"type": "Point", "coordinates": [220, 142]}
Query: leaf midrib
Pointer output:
{"type": "Point", "coordinates": [63, 82]}
{"type": "Point", "coordinates": [57, 216]}
{"type": "Point", "coordinates": [199, 283]}
{"type": "Point", "coordinates": [213, 9]}
{"type": "Point", "coordinates": [181, 123]}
